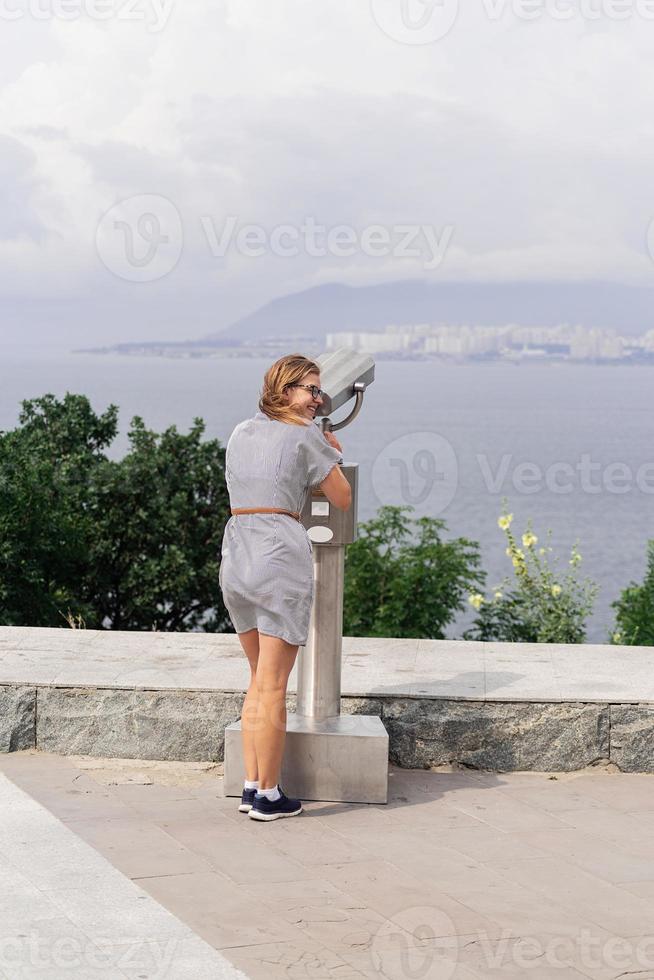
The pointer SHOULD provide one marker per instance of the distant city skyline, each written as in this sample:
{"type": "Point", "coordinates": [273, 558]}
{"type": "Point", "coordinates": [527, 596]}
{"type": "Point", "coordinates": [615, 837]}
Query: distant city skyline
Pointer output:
{"type": "Point", "coordinates": [509, 342]}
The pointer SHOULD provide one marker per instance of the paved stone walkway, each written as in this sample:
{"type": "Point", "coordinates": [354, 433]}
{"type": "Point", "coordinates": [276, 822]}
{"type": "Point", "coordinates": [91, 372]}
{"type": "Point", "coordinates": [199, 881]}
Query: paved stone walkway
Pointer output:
{"type": "Point", "coordinates": [463, 874]}
{"type": "Point", "coordinates": [65, 911]}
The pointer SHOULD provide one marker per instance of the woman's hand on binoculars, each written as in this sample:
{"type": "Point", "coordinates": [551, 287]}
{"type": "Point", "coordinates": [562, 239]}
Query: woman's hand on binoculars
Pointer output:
{"type": "Point", "coordinates": [332, 440]}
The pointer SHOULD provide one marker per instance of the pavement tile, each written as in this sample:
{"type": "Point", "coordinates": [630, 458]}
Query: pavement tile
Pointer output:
{"type": "Point", "coordinates": [406, 963]}
{"type": "Point", "coordinates": [343, 929]}
{"type": "Point", "coordinates": [20, 900]}
{"type": "Point", "coordinates": [77, 802]}
{"type": "Point", "coordinates": [502, 780]}
{"type": "Point", "coordinates": [519, 909]}
{"type": "Point", "coordinates": [431, 857]}
{"type": "Point", "coordinates": [161, 812]}
{"type": "Point", "coordinates": [389, 890]}
{"type": "Point", "coordinates": [310, 892]}
{"type": "Point", "coordinates": [219, 911]}
{"type": "Point", "coordinates": [434, 783]}
{"type": "Point", "coordinates": [30, 761]}
{"type": "Point", "coordinates": [137, 793]}
{"type": "Point", "coordinates": [623, 791]}
{"type": "Point", "coordinates": [608, 824]}
{"type": "Point", "coordinates": [434, 819]}
{"type": "Point", "coordinates": [243, 850]}
{"type": "Point", "coordinates": [503, 812]}
{"type": "Point", "coordinates": [604, 859]}
{"type": "Point", "coordinates": [552, 797]}
{"type": "Point", "coordinates": [644, 889]}
{"type": "Point", "coordinates": [292, 961]}
{"type": "Point", "coordinates": [452, 873]}
{"type": "Point", "coordinates": [310, 843]}
{"type": "Point", "coordinates": [66, 971]}
{"type": "Point", "coordinates": [127, 918]}
{"type": "Point", "coordinates": [173, 959]}
{"type": "Point", "coordinates": [33, 849]}
{"type": "Point", "coordinates": [354, 820]}
{"type": "Point", "coordinates": [137, 848]}
{"type": "Point", "coordinates": [602, 902]}
{"type": "Point", "coordinates": [539, 954]}
{"type": "Point", "coordinates": [488, 844]}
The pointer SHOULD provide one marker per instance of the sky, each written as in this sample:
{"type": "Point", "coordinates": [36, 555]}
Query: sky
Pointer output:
{"type": "Point", "coordinates": [168, 166]}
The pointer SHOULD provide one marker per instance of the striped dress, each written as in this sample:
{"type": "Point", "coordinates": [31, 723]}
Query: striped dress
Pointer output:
{"type": "Point", "coordinates": [266, 570]}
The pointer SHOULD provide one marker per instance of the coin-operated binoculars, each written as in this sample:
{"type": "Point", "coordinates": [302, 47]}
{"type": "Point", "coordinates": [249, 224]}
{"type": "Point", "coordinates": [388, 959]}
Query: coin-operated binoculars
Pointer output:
{"type": "Point", "coordinates": [327, 755]}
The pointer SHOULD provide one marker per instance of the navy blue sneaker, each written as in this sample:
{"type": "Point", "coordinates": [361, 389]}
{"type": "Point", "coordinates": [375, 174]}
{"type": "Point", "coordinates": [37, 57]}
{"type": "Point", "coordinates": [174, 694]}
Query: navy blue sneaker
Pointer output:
{"type": "Point", "coordinates": [265, 809]}
{"type": "Point", "coordinates": [247, 800]}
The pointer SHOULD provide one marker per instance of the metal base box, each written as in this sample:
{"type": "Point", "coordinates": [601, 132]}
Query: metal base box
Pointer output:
{"type": "Point", "coordinates": [342, 759]}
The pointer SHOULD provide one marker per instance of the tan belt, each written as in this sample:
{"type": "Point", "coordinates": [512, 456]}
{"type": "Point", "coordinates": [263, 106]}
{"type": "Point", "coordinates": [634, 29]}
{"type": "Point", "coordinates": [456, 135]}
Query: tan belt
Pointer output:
{"type": "Point", "coordinates": [266, 510]}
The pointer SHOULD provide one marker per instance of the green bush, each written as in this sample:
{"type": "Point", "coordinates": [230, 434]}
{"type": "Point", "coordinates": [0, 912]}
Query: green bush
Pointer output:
{"type": "Point", "coordinates": [635, 609]}
{"type": "Point", "coordinates": [132, 545]}
{"type": "Point", "coordinates": [402, 588]}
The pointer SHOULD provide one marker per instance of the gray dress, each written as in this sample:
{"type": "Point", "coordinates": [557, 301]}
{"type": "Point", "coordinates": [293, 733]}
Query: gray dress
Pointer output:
{"type": "Point", "coordinates": [266, 570]}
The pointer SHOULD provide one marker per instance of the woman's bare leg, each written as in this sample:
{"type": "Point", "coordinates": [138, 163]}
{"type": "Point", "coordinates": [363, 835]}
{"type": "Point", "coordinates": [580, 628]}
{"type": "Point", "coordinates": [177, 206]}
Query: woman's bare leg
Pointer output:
{"type": "Point", "coordinates": [276, 659]}
{"type": "Point", "coordinates": [250, 644]}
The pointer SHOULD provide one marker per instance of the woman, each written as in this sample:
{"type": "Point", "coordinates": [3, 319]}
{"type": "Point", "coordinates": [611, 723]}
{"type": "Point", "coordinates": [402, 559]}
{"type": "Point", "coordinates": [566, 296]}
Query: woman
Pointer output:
{"type": "Point", "coordinates": [266, 572]}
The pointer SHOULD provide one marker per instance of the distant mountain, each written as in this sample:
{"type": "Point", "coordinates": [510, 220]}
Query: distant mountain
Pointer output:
{"type": "Point", "coordinates": [314, 312]}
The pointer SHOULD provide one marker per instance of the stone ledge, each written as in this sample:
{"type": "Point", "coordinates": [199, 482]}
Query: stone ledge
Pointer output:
{"type": "Point", "coordinates": [502, 737]}
{"type": "Point", "coordinates": [501, 707]}
{"type": "Point", "coordinates": [189, 726]}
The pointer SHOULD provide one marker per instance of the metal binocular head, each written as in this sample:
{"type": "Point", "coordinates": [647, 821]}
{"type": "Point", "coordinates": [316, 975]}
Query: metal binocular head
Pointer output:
{"type": "Point", "coordinates": [344, 374]}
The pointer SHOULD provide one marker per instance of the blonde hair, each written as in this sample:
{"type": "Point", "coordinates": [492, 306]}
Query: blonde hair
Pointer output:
{"type": "Point", "coordinates": [290, 369]}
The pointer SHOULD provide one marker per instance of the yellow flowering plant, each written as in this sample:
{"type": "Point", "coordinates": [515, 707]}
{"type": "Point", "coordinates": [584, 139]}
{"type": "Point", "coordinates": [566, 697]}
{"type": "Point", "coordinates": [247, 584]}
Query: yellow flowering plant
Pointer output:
{"type": "Point", "coordinates": [537, 605]}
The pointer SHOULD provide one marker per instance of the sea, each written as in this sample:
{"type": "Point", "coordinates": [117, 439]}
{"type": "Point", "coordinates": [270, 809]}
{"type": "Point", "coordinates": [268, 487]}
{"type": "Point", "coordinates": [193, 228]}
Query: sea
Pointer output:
{"type": "Point", "coordinates": [569, 445]}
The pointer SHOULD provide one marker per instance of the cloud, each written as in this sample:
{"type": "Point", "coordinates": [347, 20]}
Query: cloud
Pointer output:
{"type": "Point", "coordinates": [530, 138]}
{"type": "Point", "coordinates": [18, 219]}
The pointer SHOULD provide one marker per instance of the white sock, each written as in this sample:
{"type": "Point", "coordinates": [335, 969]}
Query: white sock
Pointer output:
{"type": "Point", "coordinates": [272, 794]}
{"type": "Point", "coordinates": [251, 784]}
